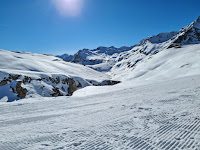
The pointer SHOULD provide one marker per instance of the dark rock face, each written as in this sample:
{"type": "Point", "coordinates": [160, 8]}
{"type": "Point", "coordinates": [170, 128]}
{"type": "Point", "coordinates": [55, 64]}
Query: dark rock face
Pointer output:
{"type": "Point", "coordinates": [72, 86]}
{"type": "Point", "coordinates": [56, 92]}
{"type": "Point", "coordinates": [109, 82]}
{"type": "Point", "coordinates": [12, 89]}
{"type": "Point", "coordinates": [14, 77]}
{"type": "Point", "coordinates": [20, 90]}
{"type": "Point", "coordinates": [106, 82]}
{"type": "Point", "coordinates": [188, 35]}
{"type": "Point", "coordinates": [79, 85]}
{"type": "Point", "coordinates": [3, 82]}
{"type": "Point", "coordinates": [174, 45]}
{"type": "Point", "coordinates": [27, 79]}
{"type": "Point", "coordinates": [9, 79]}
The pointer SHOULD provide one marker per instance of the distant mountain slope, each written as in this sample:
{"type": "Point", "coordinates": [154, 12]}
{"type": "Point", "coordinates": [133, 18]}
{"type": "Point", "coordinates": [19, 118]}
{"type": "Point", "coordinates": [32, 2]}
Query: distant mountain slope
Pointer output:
{"type": "Point", "coordinates": [30, 75]}
{"type": "Point", "coordinates": [100, 59]}
{"type": "Point", "coordinates": [118, 61]}
{"type": "Point", "coordinates": [153, 45]}
{"type": "Point", "coordinates": [169, 64]}
{"type": "Point", "coordinates": [188, 35]}
{"type": "Point", "coordinates": [66, 57]}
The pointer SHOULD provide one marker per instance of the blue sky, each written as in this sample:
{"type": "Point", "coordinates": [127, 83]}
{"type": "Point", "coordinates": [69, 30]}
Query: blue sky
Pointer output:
{"type": "Point", "coordinates": [42, 26]}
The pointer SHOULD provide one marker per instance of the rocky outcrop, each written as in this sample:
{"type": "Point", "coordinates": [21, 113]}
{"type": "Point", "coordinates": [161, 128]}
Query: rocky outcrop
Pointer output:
{"type": "Point", "coordinates": [109, 82]}
{"type": "Point", "coordinates": [3, 82]}
{"type": "Point", "coordinates": [105, 83]}
{"type": "Point", "coordinates": [68, 87]}
{"type": "Point", "coordinates": [20, 90]}
{"type": "Point", "coordinates": [47, 86]}
{"type": "Point", "coordinates": [8, 79]}
{"type": "Point", "coordinates": [72, 86]}
{"type": "Point", "coordinates": [188, 35]}
{"type": "Point", "coordinates": [56, 92]}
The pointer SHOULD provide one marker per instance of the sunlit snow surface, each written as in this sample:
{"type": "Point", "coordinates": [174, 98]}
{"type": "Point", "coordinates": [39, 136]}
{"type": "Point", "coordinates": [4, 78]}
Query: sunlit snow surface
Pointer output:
{"type": "Point", "coordinates": [163, 115]}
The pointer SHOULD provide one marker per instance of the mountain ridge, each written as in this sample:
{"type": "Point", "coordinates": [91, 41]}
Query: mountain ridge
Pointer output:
{"type": "Point", "coordinates": [107, 59]}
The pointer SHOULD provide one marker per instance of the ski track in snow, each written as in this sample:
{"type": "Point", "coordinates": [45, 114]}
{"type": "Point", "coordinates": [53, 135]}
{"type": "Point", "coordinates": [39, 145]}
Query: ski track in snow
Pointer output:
{"type": "Point", "coordinates": [158, 116]}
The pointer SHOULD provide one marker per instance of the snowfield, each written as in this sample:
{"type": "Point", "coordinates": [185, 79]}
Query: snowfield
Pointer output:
{"type": "Point", "coordinates": [156, 116]}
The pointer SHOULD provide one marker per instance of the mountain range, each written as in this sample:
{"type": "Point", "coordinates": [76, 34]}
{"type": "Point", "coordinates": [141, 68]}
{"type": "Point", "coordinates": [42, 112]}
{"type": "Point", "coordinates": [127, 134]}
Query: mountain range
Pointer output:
{"type": "Point", "coordinates": [117, 60]}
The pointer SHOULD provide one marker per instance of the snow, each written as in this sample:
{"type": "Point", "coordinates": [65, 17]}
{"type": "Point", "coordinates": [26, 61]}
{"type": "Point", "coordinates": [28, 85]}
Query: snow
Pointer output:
{"type": "Point", "coordinates": [166, 65]}
{"type": "Point", "coordinates": [38, 66]}
{"type": "Point", "coordinates": [101, 59]}
{"type": "Point", "coordinates": [162, 37]}
{"type": "Point", "coordinates": [169, 64]}
{"type": "Point", "coordinates": [157, 116]}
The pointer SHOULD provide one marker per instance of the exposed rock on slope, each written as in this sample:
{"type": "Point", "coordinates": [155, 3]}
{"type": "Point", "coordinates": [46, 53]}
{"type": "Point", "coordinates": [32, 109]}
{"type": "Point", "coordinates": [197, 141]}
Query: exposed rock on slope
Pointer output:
{"type": "Point", "coordinates": [20, 90]}
{"type": "Point", "coordinates": [188, 35]}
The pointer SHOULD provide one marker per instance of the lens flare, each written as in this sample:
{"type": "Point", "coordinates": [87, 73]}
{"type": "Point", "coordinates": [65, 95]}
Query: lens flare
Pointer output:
{"type": "Point", "coordinates": [70, 8]}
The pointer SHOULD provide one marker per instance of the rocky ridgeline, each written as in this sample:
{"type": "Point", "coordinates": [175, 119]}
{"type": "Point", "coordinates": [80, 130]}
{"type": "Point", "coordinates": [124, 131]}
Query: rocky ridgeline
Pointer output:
{"type": "Point", "coordinates": [59, 86]}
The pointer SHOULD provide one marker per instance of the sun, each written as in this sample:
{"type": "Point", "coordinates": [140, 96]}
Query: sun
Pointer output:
{"type": "Point", "coordinates": [70, 8]}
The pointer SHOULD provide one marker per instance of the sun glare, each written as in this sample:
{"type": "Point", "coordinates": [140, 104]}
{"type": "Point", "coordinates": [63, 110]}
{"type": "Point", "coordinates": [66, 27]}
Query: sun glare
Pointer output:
{"type": "Point", "coordinates": [70, 8]}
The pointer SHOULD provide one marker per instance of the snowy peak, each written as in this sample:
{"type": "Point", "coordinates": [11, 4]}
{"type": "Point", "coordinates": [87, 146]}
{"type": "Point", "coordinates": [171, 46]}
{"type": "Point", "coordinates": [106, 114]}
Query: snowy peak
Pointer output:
{"type": "Point", "coordinates": [189, 34]}
{"type": "Point", "coordinates": [162, 37]}
{"type": "Point", "coordinates": [159, 38]}
{"type": "Point", "coordinates": [197, 23]}
{"type": "Point", "coordinates": [101, 58]}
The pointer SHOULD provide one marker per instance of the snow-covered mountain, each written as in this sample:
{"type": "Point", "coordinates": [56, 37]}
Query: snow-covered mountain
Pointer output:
{"type": "Point", "coordinates": [111, 59]}
{"type": "Point", "coordinates": [188, 35]}
{"type": "Point", "coordinates": [119, 61]}
{"type": "Point", "coordinates": [25, 74]}
{"type": "Point", "coordinates": [147, 48]}
{"type": "Point", "coordinates": [100, 59]}
{"type": "Point", "coordinates": [66, 57]}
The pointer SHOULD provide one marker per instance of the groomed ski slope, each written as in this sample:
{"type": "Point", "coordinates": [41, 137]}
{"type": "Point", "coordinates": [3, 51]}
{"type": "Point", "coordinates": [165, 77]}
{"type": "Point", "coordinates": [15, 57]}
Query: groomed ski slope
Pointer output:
{"type": "Point", "coordinates": [155, 116]}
